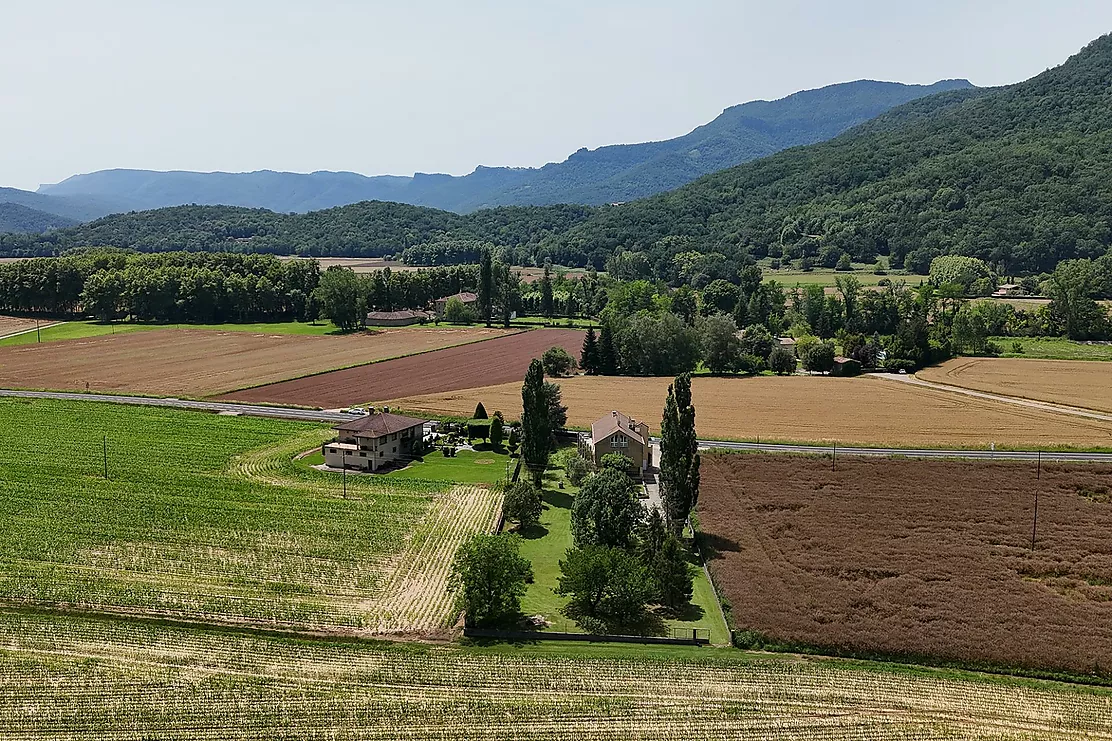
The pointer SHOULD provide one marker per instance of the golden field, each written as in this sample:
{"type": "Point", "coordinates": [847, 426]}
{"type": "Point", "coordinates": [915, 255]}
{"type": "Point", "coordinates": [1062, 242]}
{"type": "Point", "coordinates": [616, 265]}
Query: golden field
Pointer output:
{"type": "Point", "coordinates": [1078, 383]}
{"type": "Point", "coordinates": [861, 410]}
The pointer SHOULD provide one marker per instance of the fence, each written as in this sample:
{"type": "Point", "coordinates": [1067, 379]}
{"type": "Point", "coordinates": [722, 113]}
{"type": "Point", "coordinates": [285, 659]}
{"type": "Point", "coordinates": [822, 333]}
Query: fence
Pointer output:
{"type": "Point", "coordinates": [679, 637]}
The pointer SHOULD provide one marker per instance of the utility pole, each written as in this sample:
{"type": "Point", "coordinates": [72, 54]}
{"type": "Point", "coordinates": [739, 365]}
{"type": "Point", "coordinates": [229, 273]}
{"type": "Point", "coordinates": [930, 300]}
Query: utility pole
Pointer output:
{"type": "Point", "coordinates": [834, 458]}
{"type": "Point", "coordinates": [38, 332]}
{"type": "Point", "coordinates": [344, 464]}
{"type": "Point", "coordinates": [1038, 471]}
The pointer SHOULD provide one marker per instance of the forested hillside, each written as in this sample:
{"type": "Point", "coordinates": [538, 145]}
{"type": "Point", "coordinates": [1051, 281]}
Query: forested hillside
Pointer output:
{"type": "Point", "coordinates": [16, 218]}
{"type": "Point", "coordinates": [1016, 176]}
{"type": "Point", "coordinates": [605, 175]}
{"type": "Point", "coordinates": [74, 208]}
{"type": "Point", "coordinates": [370, 229]}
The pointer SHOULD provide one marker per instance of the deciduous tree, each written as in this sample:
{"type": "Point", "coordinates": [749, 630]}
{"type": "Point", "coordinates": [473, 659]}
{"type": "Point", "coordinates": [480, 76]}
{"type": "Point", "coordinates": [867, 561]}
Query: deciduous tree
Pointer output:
{"type": "Point", "coordinates": [488, 578]}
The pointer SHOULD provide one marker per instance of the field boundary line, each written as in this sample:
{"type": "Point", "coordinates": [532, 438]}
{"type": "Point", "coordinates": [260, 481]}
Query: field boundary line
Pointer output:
{"type": "Point", "coordinates": [364, 365]}
{"type": "Point", "coordinates": [22, 332]}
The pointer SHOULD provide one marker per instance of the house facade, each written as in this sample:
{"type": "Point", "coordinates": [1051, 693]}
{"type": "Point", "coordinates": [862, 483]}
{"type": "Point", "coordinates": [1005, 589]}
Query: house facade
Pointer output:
{"type": "Point", "coordinates": [618, 433]}
{"type": "Point", "coordinates": [373, 441]}
{"type": "Point", "coordinates": [466, 298]}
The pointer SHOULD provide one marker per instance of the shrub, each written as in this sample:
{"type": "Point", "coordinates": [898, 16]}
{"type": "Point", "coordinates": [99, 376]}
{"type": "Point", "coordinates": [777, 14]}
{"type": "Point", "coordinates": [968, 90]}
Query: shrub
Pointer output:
{"type": "Point", "coordinates": [577, 469]}
{"type": "Point", "coordinates": [781, 361]}
{"type": "Point", "coordinates": [558, 362]}
{"type": "Point", "coordinates": [522, 503]}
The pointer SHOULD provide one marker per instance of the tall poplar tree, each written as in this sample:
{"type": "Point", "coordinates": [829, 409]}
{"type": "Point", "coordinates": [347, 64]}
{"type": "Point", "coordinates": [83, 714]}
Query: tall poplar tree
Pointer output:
{"type": "Point", "coordinates": [536, 430]}
{"type": "Point", "coordinates": [679, 454]}
{"type": "Point", "coordinates": [486, 285]}
{"type": "Point", "coordinates": [547, 302]}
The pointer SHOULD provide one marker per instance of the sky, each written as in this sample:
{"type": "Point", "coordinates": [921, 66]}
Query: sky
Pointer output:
{"type": "Point", "coordinates": [442, 85]}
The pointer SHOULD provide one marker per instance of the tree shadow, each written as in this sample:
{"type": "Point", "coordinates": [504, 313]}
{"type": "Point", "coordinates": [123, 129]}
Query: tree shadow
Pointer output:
{"type": "Point", "coordinates": [536, 532]}
{"type": "Point", "coordinates": [558, 498]}
{"type": "Point", "coordinates": [713, 546]}
{"type": "Point", "coordinates": [688, 613]}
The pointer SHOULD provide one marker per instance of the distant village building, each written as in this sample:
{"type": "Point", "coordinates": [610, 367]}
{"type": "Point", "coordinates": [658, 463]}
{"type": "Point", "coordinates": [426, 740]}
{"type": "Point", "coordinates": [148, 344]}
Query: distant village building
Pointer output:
{"type": "Point", "coordinates": [1008, 290]}
{"type": "Point", "coordinates": [466, 298]}
{"type": "Point", "coordinates": [373, 441]}
{"type": "Point", "coordinates": [788, 343]}
{"type": "Point", "coordinates": [402, 318]}
{"type": "Point", "coordinates": [617, 433]}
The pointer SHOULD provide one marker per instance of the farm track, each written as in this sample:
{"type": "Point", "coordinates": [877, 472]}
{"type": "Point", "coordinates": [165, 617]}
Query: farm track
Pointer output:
{"type": "Point", "coordinates": [70, 678]}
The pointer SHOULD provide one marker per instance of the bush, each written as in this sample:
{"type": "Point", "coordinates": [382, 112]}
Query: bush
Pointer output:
{"type": "Point", "coordinates": [577, 469]}
{"type": "Point", "coordinates": [522, 503]}
{"type": "Point", "coordinates": [558, 362]}
{"type": "Point", "coordinates": [618, 462]}
{"type": "Point", "coordinates": [457, 312]}
{"type": "Point", "coordinates": [818, 356]}
{"type": "Point", "coordinates": [781, 361]}
{"type": "Point", "coordinates": [844, 263]}
{"type": "Point", "coordinates": [1017, 347]}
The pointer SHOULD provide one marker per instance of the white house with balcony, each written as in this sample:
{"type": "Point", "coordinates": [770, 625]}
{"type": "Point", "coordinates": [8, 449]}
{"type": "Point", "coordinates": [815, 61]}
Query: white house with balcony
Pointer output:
{"type": "Point", "coordinates": [373, 441]}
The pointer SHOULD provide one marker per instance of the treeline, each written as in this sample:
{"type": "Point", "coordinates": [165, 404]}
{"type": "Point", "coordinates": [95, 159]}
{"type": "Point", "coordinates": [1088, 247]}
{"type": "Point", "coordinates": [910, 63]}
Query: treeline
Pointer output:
{"type": "Point", "coordinates": [171, 287]}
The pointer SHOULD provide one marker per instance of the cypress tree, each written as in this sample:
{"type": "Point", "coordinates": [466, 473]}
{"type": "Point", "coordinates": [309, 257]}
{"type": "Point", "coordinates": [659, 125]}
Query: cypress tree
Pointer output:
{"type": "Point", "coordinates": [547, 301]}
{"type": "Point", "coordinates": [536, 430]}
{"type": "Point", "coordinates": [607, 356]}
{"type": "Point", "coordinates": [486, 285]}
{"type": "Point", "coordinates": [679, 454]}
{"type": "Point", "coordinates": [589, 359]}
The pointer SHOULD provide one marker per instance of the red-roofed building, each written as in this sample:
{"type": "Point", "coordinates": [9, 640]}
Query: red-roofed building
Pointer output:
{"type": "Point", "coordinates": [370, 442]}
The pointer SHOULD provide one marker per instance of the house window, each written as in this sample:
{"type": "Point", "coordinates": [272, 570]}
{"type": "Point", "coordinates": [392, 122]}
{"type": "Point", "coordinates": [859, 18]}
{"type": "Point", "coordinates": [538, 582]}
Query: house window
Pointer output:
{"type": "Point", "coordinates": [619, 442]}
{"type": "Point", "coordinates": [362, 454]}
{"type": "Point", "coordinates": [395, 450]}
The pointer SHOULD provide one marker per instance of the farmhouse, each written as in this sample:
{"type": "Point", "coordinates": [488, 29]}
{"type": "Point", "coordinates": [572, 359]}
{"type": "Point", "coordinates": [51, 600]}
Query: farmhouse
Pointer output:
{"type": "Point", "coordinates": [402, 318]}
{"type": "Point", "coordinates": [788, 343]}
{"type": "Point", "coordinates": [844, 366]}
{"type": "Point", "coordinates": [466, 298]}
{"type": "Point", "coordinates": [617, 433]}
{"type": "Point", "coordinates": [373, 441]}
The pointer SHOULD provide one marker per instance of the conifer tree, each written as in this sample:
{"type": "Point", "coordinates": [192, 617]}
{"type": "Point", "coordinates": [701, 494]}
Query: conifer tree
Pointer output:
{"type": "Point", "coordinates": [679, 454]}
{"type": "Point", "coordinates": [607, 355]}
{"type": "Point", "coordinates": [589, 359]}
{"type": "Point", "coordinates": [536, 430]}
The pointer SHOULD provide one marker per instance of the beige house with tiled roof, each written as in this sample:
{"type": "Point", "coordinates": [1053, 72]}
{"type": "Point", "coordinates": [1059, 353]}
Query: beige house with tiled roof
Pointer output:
{"type": "Point", "coordinates": [617, 433]}
{"type": "Point", "coordinates": [370, 442]}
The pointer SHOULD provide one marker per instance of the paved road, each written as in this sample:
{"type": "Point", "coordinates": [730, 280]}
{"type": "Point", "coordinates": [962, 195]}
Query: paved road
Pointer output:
{"type": "Point", "coordinates": [311, 415]}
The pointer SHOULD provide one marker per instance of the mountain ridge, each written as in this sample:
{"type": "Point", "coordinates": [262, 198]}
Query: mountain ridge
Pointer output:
{"type": "Point", "coordinates": [618, 172]}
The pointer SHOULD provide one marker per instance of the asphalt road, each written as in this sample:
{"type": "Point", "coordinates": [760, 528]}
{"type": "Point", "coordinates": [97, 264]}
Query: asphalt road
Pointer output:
{"type": "Point", "coordinates": [310, 415]}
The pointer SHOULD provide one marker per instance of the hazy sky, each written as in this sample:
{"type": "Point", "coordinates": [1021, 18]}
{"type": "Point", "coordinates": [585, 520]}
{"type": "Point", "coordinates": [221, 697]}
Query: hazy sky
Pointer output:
{"type": "Point", "coordinates": [441, 86]}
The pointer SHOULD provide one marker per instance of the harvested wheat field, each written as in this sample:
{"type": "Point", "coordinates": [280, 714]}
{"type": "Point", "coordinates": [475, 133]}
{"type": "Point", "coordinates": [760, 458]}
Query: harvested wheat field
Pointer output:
{"type": "Point", "coordinates": [496, 361]}
{"type": "Point", "coordinates": [916, 557]}
{"type": "Point", "coordinates": [861, 410]}
{"type": "Point", "coordinates": [1078, 383]}
{"type": "Point", "coordinates": [190, 362]}
{"type": "Point", "coordinates": [12, 324]}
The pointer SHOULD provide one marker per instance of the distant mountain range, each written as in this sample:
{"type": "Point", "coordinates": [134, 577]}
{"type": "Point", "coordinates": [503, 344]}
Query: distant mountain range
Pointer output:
{"type": "Point", "coordinates": [17, 218]}
{"type": "Point", "coordinates": [606, 175]}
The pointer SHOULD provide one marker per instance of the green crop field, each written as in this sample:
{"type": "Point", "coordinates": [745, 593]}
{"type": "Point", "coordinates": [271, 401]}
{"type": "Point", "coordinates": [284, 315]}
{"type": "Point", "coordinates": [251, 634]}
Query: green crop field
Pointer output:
{"type": "Point", "coordinates": [208, 517]}
{"type": "Point", "coordinates": [69, 677]}
{"type": "Point", "coordinates": [86, 329]}
{"type": "Point", "coordinates": [1051, 348]}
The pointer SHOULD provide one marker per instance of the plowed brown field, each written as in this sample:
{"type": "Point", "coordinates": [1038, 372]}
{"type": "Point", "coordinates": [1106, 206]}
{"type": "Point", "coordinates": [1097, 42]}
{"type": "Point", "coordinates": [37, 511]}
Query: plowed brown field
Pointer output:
{"type": "Point", "coordinates": [860, 410]}
{"type": "Point", "coordinates": [494, 361]}
{"type": "Point", "coordinates": [1078, 383]}
{"type": "Point", "coordinates": [916, 557]}
{"type": "Point", "coordinates": [191, 362]}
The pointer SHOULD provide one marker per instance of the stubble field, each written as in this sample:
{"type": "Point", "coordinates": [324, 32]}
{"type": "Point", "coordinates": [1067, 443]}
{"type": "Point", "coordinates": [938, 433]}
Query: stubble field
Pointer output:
{"type": "Point", "coordinates": [860, 410]}
{"type": "Point", "coordinates": [68, 678]}
{"type": "Point", "coordinates": [495, 361]}
{"type": "Point", "coordinates": [209, 518]}
{"type": "Point", "coordinates": [1078, 383]}
{"type": "Point", "coordinates": [197, 363]}
{"type": "Point", "coordinates": [920, 558]}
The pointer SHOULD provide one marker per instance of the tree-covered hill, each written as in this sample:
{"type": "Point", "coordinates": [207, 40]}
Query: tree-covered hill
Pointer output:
{"type": "Point", "coordinates": [17, 218]}
{"type": "Point", "coordinates": [1017, 176]}
{"type": "Point", "coordinates": [605, 175]}
{"type": "Point", "coordinates": [369, 229]}
{"type": "Point", "coordinates": [76, 208]}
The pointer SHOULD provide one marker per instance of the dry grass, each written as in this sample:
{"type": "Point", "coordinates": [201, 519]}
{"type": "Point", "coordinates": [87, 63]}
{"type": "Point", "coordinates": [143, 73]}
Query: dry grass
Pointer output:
{"type": "Point", "coordinates": [847, 410]}
{"type": "Point", "coordinates": [201, 362]}
{"type": "Point", "coordinates": [916, 557]}
{"type": "Point", "coordinates": [1077, 383]}
{"type": "Point", "coordinates": [12, 324]}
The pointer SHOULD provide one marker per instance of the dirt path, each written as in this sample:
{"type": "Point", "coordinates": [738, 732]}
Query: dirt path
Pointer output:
{"type": "Point", "coordinates": [1028, 403]}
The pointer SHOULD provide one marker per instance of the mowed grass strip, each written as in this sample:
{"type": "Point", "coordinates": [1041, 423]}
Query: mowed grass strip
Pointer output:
{"type": "Point", "coordinates": [866, 411]}
{"type": "Point", "coordinates": [194, 362]}
{"type": "Point", "coordinates": [916, 558]}
{"type": "Point", "coordinates": [202, 516]}
{"type": "Point", "coordinates": [1076, 383]}
{"type": "Point", "coordinates": [66, 678]}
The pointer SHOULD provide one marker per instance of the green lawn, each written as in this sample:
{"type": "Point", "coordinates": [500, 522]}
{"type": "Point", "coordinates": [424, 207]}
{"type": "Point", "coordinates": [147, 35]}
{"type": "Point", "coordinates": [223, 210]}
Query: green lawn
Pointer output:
{"type": "Point", "coordinates": [545, 547]}
{"type": "Point", "coordinates": [826, 278]}
{"type": "Point", "coordinates": [466, 467]}
{"type": "Point", "coordinates": [1052, 348]}
{"type": "Point", "coordinates": [84, 329]}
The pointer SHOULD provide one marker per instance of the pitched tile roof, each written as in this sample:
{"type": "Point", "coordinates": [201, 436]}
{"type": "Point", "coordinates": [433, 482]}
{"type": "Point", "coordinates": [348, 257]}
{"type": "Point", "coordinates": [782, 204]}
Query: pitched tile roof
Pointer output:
{"type": "Point", "coordinates": [378, 424]}
{"type": "Point", "coordinates": [611, 423]}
